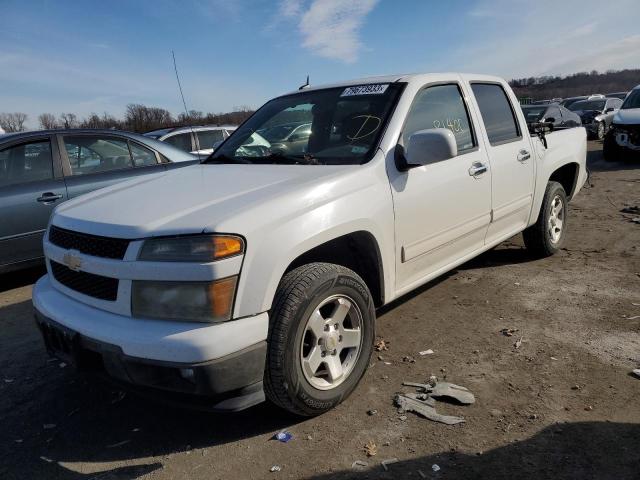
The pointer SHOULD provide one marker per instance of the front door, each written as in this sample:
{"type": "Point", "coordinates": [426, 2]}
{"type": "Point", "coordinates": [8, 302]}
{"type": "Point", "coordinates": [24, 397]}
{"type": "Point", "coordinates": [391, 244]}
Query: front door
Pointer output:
{"type": "Point", "coordinates": [30, 188]}
{"type": "Point", "coordinates": [512, 161]}
{"type": "Point", "coordinates": [442, 210]}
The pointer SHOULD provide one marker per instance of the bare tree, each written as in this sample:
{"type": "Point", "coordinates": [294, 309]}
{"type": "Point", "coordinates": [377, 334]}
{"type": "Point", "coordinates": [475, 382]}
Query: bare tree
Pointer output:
{"type": "Point", "coordinates": [48, 121]}
{"type": "Point", "coordinates": [69, 120]}
{"type": "Point", "coordinates": [105, 121]}
{"type": "Point", "coordinates": [194, 117]}
{"type": "Point", "coordinates": [141, 118]}
{"type": "Point", "coordinates": [13, 122]}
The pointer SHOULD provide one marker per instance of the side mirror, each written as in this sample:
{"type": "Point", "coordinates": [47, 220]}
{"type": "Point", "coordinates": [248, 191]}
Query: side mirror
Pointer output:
{"type": "Point", "coordinates": [550, 120]}
{"type": "Point", "coordinates": [430, 146]}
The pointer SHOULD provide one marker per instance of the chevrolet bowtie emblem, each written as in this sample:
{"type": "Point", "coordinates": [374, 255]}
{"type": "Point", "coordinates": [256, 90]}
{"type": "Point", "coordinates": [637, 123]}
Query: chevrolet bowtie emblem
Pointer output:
{"type": "Point", "coordinates": [72, 260]}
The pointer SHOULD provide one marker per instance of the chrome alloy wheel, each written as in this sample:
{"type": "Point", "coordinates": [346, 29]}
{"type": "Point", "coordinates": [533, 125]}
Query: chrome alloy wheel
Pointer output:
{"type": "Point", "coordinates": [332, 342]}
{"type": "Point", "coordinates": [556, 219]}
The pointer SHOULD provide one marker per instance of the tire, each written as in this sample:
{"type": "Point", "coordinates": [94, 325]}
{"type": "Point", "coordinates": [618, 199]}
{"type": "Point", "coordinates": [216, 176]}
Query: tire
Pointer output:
{"type": "Point", "coordinates": [601, 131]}
{"type": "Point", "coordinates": [610, 150]}
{"type": "Point", "coordinates": [542, 238]}
{"type": "Point", "coordinates": [298, 337]}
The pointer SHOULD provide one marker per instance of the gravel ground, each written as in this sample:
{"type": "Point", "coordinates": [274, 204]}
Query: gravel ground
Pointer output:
{"type": "Point", "coordinates": [562, 405]}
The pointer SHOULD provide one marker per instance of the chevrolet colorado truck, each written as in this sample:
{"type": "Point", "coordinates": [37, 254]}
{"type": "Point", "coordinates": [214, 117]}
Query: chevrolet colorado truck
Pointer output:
{"type": "Point", "coordinates": [257, 274]}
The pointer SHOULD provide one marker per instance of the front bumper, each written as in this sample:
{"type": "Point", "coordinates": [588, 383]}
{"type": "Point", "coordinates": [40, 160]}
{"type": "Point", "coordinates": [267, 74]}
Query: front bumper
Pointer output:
{"type": "Point", "coordinates": [212, 367]}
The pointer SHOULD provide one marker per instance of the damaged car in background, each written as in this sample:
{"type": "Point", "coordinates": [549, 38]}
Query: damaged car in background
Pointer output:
{"type": "Point", "coordinates": [623, 139]}
{"type": "Point", "coordinates": [596, 114]}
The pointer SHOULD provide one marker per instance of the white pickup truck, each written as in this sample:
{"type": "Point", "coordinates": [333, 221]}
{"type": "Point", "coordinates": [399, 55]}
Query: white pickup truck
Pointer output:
{"type": "Point", "coordinates": [258, 272]}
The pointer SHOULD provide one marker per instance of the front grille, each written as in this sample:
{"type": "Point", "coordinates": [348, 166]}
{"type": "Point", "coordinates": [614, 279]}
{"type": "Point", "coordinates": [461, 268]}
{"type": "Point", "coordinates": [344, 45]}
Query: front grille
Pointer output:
{"type": "Point", "coordinates": [90, 244]}
{"type": "Point", "coordinates": [90, 284]}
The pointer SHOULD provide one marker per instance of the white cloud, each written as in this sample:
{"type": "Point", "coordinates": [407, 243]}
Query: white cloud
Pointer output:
{"type": "Point", "coordinates": [329, 28]}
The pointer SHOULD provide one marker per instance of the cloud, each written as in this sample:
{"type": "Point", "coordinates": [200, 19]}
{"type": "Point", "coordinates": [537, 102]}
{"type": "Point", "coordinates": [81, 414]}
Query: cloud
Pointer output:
{"type": "Point", "coordinates": [329, 28]}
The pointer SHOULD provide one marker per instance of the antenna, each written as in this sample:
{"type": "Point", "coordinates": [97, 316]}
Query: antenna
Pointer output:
{"type": "Point", "coordinates": [186, 110]}
{"type": "Point", "coordinates": [306, 85]}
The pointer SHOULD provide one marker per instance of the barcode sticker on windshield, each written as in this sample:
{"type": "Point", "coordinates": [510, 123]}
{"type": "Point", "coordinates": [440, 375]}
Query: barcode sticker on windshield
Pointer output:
{"type": "Point", "coordinates": [373, 89]}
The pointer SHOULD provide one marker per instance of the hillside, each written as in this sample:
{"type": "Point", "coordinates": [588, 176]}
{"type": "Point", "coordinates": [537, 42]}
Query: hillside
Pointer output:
{"type": "Point", "coordinates": [583, 83]}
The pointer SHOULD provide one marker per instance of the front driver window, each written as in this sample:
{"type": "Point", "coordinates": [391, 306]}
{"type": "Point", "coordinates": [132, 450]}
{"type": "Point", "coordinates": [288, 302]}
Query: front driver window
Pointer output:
{"type": "Point", "coordinates": [440, 106]}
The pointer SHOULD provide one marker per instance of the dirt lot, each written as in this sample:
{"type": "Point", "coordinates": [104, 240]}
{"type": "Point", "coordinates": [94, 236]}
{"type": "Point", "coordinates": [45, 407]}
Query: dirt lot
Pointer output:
{"type": "Point", "coordinates": [563, 405]}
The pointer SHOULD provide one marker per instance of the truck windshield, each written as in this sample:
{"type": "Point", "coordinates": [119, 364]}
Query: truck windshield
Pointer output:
{"type": "Point", "coordinates": [632, 100]}
{"type": "Point", "coordinates": [333, 126]}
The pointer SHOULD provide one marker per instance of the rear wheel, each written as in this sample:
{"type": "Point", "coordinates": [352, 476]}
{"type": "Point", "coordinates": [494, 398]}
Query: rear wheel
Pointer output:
{"type": "Point", "coordinates": [320, 339]}
{"type": "Point", "coordinates": [547, 235]}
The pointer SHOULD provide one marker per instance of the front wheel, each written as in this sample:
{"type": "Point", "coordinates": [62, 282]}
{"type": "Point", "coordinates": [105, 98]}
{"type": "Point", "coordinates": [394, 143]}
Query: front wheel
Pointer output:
{"type": "Point", "coordinates": [601, 131]}
{"type": "Point", "coordinates": [321, 335]}
{"type": "Point", "coordinates": [547, 235]}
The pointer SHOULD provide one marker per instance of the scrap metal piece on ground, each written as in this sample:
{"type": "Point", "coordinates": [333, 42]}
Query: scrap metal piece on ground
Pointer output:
{"type": "Point", "coordinates": [385, 463]}
{"type": "Point", "coordinates": [636, 372]}
{"type": "Point", "coordinates": [427, 411]}
{"type": "Point", "coordinates": [451, 390]}
{"type": "Point", "coordinates": [359, 464]}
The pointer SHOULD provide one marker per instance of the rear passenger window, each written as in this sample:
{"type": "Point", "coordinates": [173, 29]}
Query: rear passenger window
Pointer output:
{"type": "Point", "coordinates": [497, 114]}
{"type": "Point", "coordinates": [142, 156]}
{"type": "Point", "coordinates": [89, 154]}
{"type": "Point", "coordinates": [440, 106]}
{"type": "Point", "coordinates": [206, 138]}
{"type": "Point", "coordinates": [27, 162]}
{"type": "Point", "coordinates": [181, 141]}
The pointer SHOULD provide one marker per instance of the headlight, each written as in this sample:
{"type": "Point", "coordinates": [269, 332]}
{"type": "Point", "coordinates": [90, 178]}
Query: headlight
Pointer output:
{"type": "Point", "coordinates": [191, 248]}
{"type": "Point", "coordinates": [186, 301]}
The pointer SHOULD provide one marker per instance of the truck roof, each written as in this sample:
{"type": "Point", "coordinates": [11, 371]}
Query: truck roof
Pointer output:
{"type": "Point", "coordinates": [406, 77]}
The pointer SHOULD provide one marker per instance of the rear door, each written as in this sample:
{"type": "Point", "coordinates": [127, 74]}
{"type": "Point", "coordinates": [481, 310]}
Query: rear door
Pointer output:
{"type": "Point", "coordinates": [31, 185]}
{"type": "Point", "coordinates": [511, 158]}
{"type": "Point", "coordinates": [92, 161]}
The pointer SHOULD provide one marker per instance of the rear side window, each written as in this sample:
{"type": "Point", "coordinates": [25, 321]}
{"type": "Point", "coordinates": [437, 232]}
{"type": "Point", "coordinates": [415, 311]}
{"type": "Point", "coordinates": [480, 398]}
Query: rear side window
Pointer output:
{"type": "Point", "coordinates": [27, 162]}
{"type": "Point", "coordinates": [497, 113]}
{"type": "Point", "coordinates": [440, 106]}
{"type": "Point", "coordinates": [89, 154]}
{"type": "Point", "coordinates": [142, 156]}
{"type": "Point", "coordinates": [181, 141]}
{"type": "Point", "coordinates": [207, 138]}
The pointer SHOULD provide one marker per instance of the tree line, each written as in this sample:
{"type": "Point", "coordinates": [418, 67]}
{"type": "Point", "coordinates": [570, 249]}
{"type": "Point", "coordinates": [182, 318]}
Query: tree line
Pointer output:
{"type": "Point", "coordinates": [137, 118]}
{"type": "Point", "coordinates": [581, 83]}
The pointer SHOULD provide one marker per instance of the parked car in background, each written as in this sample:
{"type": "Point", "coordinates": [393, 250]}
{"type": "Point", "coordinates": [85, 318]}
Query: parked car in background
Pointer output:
{"type": "Point", "coordinates": [596, 114]}
{"type": "Point", "coordinates": [620, 95]}
{"type": "Point", "coordinates": [41, 169]}
{"type": "Point", "coordinates": [567, 102]}
{"type": "Point", "coordinates": [559, 116]}
{"type": "Point", "coordinates": [253, 277]}
{"type": "Point", "coordinates": [198, 140]}
{"type": "Point", "coordinates": [623, 138]}
{"type": "Point", "coordinates": [289, 138]}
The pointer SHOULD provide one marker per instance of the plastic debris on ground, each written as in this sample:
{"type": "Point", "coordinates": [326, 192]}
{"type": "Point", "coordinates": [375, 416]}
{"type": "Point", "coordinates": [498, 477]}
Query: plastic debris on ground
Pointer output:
{"type": "Point", "coordinates": [371, 449]}
{"type": "Point", "coordinates": [359, 464]}
{"type": "Point", "coordinates": [275, 468]}
{"type": "Point", "coordinates": [435, 467]}
{"type": "Point", "coordinates": [636, 372]}
{"type": "Point", "coordinates": [423, 402]}
{"type": "Point", "coordinates": [385, 463]}
{"type": "Point", "coordinates": [372, 412]}
{"type": "Point", "coordinates": [518, 343]}
{"type": "Point", "coordinates": [426, 352]}
{"type": "Point", "coordinates": [283, 436]}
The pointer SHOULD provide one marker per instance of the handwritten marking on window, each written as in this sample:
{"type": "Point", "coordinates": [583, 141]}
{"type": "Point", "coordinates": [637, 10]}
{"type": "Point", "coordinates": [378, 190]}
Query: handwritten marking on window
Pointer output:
{"type": "Point", "coordinates": [369, 125]}
{"type": "Point", "coordinates": [453, 124]}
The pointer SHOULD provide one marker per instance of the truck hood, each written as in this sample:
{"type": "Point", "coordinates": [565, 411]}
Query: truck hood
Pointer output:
{"type": "Point", "coordinates": [628, 116]}
{"type": "Point", "coordinates": [187, 200]}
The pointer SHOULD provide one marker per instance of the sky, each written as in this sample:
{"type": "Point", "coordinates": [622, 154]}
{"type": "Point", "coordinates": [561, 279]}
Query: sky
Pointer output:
{"type": "Point", "coordinates": [98, 56]}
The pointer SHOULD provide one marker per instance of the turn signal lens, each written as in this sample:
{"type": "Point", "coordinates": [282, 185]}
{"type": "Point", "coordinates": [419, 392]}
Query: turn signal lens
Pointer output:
{"type": "Point", "coordinates": [191, 248]}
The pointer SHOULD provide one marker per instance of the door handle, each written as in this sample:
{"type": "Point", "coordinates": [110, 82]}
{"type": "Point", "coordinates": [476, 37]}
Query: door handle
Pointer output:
{"type": "Point", "coordinates": [523, 155]}
{"type": "Point", "coordinates": [49, 197]}
{"type": "Point", "coordinates": [477, 169]}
